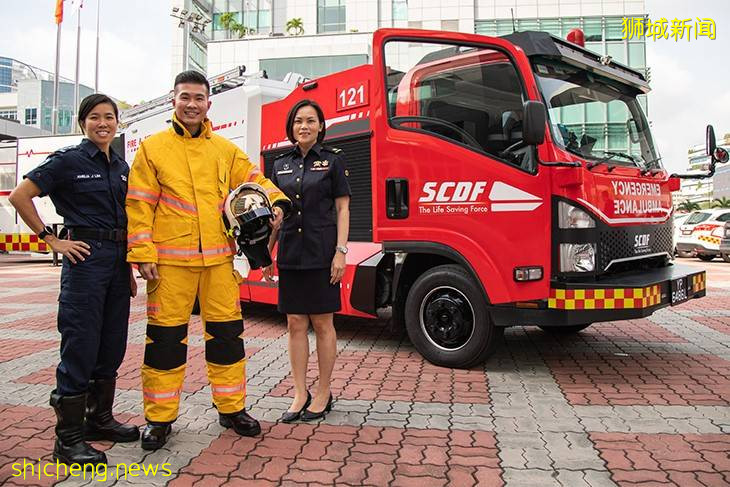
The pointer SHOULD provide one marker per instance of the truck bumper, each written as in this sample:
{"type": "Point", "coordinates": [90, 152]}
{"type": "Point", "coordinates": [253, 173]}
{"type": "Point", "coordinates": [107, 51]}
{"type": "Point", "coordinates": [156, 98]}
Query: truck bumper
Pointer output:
{"type": "Point", "coordinates": [696, 249]}
{"type": "Point", "coordinates": [622, 297]}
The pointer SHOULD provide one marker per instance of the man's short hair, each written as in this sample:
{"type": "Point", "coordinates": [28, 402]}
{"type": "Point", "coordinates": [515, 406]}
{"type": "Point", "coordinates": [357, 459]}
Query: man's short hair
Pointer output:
{"type": "Point", "coordinates": [194, 77]}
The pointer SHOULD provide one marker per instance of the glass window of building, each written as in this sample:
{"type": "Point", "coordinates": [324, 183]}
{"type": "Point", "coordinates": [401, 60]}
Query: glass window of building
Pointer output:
{"type": "Point", "coordinates": [614, 29]}
{"type": "Point", "coordinates": [593, 29]}
{"type": "Point", "coordinates": [570, 23]}
{"type": "Point", "coordinates": [9, 114]}
{"type": "Point", "coordinates": [198, 56]}
{"type": "Point", "coordinates": [6, 75]}
{"type": "Point", "coordinates": [7, 176]}
{"type": "Point", "coordinates": [311, 67]}
{"type": "Point", "coordinates": [31, 116]}
{"type": "Point", "coordinates": [637, 55]}
{"type": "Point", "coordinates": [486, 27]}
{"type": "Point", "coordinates": [400, 9]}
{"type": "Point", "coordinates": [330, 16]}
{"type": "Point", "coordinates": [617, 50]}
{"type": "Point", "coordinates": [551, 26]}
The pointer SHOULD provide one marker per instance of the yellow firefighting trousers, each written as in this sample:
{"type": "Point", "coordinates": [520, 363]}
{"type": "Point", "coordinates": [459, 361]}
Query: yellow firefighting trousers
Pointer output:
{"type": "Point", "coordinates": [170, 301]}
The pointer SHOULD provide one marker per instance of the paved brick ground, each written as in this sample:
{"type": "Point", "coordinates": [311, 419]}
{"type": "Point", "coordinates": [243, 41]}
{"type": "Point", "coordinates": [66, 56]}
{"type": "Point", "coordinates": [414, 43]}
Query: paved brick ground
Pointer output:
{"type": "Point", "coordinates": [644, 402]}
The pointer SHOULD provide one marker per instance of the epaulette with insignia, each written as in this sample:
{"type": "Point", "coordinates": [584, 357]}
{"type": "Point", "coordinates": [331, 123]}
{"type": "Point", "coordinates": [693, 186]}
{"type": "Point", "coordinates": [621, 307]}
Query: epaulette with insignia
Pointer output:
{"type": "Point", "coordinates": [57, 152]}
{"type": "Point", "coordinates": [332, 149]}
{"type": "Point", "coordinates": [284, 154]}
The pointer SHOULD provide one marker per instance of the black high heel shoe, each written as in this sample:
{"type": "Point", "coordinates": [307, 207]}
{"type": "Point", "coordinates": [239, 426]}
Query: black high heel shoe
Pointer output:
{"type": "Point", "coordinates": [308, 415]}
{"type": "Point", "coordinates": [291, 416]}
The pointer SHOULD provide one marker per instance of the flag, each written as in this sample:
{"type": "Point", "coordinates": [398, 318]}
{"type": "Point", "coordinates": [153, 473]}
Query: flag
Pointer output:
{"type": "Point", "coordinates": [59, 11]}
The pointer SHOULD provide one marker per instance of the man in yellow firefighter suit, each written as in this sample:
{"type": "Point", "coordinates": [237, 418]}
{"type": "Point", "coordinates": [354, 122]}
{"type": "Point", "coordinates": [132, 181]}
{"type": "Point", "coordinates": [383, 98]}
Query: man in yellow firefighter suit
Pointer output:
{"type": "Point", "coordinates": [177, 185]}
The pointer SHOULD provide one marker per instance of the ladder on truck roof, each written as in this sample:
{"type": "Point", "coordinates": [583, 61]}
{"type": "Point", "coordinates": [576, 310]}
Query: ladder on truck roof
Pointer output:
{"type": "Point", "coordinates": [218, 84]}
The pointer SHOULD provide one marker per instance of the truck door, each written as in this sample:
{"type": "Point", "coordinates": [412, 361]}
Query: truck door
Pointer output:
{"type": "Point", "coordinates": [449, 167]}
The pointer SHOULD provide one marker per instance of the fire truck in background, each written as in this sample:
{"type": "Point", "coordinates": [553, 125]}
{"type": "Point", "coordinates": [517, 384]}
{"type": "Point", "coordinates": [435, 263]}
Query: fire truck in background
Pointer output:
{"type": "Point", "coordinates": [16, 159]}
{"type": "Point", "coordinates": [485, 194]}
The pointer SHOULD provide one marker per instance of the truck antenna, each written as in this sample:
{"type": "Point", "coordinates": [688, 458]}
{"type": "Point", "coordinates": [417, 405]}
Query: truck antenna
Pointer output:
{"type": "Point", "coordinates": [512, 11]}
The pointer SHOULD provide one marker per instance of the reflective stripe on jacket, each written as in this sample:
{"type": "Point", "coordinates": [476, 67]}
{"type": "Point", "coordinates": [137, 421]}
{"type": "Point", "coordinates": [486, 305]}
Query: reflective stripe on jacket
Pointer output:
{"type": "Point", "coordinates": [177, 186]}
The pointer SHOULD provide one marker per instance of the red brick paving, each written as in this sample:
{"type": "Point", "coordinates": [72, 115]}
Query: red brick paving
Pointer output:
{"type": "Point", "coordinates": [656, 379]}
{"type": "Point", "coordinates": [36, 323]}
{"type": "Point", "coordinates": [664, 459]}
{"type": "Point", "coordinates": [721, 324]}
{"type": "Point", "coordinates": [347, 455]}
{"type": "Point", "coordinates": [397, 376]}
{"type": "Point", "coordinates": [641, 331]}
{"type": "Point", "coordinates": [34, 298]}
{"type": "Point", "coordinates": [12, 349]}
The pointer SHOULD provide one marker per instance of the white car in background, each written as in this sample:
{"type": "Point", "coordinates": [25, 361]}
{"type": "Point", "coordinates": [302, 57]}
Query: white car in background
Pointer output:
{"type": "Point", "coordinates": [679, 219]}
{"type": "Point", "coordinates": [701, 232]}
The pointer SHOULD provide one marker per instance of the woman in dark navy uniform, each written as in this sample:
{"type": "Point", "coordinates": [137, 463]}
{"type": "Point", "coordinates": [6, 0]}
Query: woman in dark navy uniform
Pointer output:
{"type": "Point", "coordinates": [311, 254]}
{"type": "Point", "coordinates": [87, 184]}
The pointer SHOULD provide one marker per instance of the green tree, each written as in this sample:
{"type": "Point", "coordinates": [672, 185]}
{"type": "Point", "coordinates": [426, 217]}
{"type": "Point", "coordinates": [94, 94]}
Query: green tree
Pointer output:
{"type": "Point", "coordinates": [688, 206]}
{"type": "Point", "coordinates": [295, 26]}
{"type": "Point", "coordinates": [722, 202]}
{"type": "Point", "coordinates": [227, 19]}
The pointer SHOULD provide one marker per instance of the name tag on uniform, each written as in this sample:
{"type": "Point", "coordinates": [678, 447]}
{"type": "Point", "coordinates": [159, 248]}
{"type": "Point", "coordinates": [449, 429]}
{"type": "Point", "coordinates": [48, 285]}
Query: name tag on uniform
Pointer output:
{"type": "Point", "coordinates": [320, 165]}
{"type": "Point", "coordinates": [88, 176]}
{"type": "Point", "coordinates": [278, 173]}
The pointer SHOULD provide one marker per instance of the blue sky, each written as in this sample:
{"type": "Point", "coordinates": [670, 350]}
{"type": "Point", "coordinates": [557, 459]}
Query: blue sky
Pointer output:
{"type": "Point", "coordinates": [690, 80]}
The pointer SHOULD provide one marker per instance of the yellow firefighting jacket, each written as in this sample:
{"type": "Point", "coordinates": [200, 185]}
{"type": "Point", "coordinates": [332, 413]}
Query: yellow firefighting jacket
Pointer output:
{"type": "Point", "coordinates": [177, 187]}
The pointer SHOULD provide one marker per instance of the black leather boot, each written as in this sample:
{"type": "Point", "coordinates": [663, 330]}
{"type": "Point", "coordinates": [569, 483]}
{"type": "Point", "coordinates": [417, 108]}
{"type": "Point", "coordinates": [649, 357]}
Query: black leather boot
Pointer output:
{"type": "Point", "coordinates": [100, 423]}
{"type": "Point", "coordinates": [70, 446]}
{"type": "Point", "coordinates": [241, 422]}
{"type": "Point", "coordinates": [154, 435]}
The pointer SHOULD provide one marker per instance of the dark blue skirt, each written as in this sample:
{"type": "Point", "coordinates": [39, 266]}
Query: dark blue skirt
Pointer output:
{"type": "Point", "coordinates": [307, 292]}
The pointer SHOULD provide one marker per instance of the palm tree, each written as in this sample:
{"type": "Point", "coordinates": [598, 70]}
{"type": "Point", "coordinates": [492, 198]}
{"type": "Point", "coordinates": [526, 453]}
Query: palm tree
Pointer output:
{"type": "Point", "coordinates": [295, 26]}
{"type": "Point", "coordinates": [722, 202]}
{"type": "Point", "coordinates": [688, 206]}
{"type": "Point", "coordinates": [226, 20]}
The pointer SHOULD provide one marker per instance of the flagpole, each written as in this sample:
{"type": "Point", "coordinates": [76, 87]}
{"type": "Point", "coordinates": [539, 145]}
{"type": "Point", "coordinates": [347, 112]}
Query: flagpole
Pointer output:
{"type": "Point", "coordinates": [54, 113]}
{"type": "Point", "coordinates": [76, 81]}
{"type": "Point", "coordinates": [96, 74]}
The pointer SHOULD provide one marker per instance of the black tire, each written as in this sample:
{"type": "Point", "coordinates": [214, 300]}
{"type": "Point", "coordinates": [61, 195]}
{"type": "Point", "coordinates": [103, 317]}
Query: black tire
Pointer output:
{"type": "Point", "coordinates": [684, 254]}
{"type": "Point", "coordinates": [565, 330]}
{"type": "Point", "coordinates": [705, 257]}
{"type": "Point", "coordinates": [725, 257]}
{"type": "Point", "coordinates": [463, 334]}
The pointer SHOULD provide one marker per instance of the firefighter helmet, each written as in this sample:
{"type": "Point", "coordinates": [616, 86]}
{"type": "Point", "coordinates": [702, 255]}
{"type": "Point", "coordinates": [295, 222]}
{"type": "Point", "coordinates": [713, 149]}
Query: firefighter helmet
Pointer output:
{"type": "Point", "coordinates": [246, 214]}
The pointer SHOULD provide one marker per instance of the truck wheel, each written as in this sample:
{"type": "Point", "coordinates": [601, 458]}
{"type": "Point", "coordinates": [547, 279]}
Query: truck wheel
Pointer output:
{"type": "Point", "coordinates": [447, 319]}
{"type": "Point", "coordinates": [705, 257]}
{"type": "Point", "coordinates": [725, 257]}
{"type": "Point", "coordinates": [565, 330]}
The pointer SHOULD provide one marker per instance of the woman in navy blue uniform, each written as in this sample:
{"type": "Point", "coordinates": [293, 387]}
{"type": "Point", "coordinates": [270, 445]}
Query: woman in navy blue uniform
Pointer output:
{"type": "Point", "coordinates": [311, 254]}
{"type": "Point", "coordinates": [87, 184]}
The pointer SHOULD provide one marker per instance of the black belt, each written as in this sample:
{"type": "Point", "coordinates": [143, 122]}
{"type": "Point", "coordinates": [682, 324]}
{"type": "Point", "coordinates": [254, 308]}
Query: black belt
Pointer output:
{"type": "Point", "coordinates": [115, 235]}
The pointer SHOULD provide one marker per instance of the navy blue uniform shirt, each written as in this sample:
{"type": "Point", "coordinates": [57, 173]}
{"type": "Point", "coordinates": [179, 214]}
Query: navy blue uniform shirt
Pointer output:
{"type": "Point", "coordinates": [308, 237]}
{"type": "Point", "coordinates": [86, 189]}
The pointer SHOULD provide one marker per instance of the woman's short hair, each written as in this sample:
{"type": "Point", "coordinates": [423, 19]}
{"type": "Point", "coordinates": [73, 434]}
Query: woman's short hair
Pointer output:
{"type": "Point", "coordinates": [91, 101]}
{"type": "Point", "coordinates": [293, 114]}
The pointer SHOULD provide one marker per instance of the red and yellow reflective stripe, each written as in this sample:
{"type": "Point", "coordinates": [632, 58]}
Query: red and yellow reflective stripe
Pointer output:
{"type": "Point", "coordinates": [22, 242]}
{"type": "Point", "coordinates": [699, 282]}
{"type": "Point", "coordinates": [178, 203]}
{"type": "Point", "coordinates": [170, 252]}
{"type": "Point", "coordinates": [627, 298]}
{"type": "Point", "coordinates": [142, 194]}
{"type": "Point", "coordinates": [143, 236]}
{"type": "Point", "coordinates": [225, 390]}
{"type": "Point", "coordinates": [161, 396]}
{"type": "Point", "coordinates": [709, 239]}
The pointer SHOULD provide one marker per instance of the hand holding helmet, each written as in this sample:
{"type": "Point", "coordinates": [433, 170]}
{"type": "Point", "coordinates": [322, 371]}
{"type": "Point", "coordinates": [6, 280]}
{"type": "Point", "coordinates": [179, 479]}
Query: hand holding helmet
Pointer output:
{"type": "Point", "coordinates": [247, 214]}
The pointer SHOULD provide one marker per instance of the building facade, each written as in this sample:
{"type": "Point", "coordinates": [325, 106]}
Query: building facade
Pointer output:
{"type": "Point", "coordinates": [26, 96]}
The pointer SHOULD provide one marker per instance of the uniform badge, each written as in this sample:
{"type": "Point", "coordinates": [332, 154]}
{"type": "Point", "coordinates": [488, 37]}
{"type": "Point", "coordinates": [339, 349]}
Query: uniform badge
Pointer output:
{"type": "Point", "coordinates": [124, 178]}
{"type": "Point", "coordinates": [285, 167]}
{"type": "Point", "coordinates": [347, 173]}
{"type": "Point", "coordinates": [320, 165]}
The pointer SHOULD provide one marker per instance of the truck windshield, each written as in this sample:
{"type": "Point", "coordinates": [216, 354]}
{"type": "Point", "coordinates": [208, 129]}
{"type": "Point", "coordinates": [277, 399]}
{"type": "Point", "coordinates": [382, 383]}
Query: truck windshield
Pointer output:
{"type": "Point", "coordinates": [595, 118]}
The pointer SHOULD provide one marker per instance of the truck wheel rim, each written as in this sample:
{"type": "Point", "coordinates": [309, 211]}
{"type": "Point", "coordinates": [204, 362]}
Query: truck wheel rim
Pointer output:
{"type": "Point", "coordinates": [447, 318]}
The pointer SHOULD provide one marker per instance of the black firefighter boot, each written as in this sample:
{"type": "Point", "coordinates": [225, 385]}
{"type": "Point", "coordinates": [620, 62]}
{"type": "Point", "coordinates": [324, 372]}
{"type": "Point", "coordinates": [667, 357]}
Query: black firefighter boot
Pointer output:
{"type": "Point", "coordinates": [100, 423]}
{"type": "Point", "coordinates": [70, 446]}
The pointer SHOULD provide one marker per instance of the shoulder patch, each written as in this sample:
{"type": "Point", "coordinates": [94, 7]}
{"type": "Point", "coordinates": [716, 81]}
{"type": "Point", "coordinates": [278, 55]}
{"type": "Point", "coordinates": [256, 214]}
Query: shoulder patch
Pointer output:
{"type": "Point", "coordinates": [334, 150]}
{"type": "Point", "coordinates": [284, 154]}
{"type": "Point", "coordinates": [65, 149]}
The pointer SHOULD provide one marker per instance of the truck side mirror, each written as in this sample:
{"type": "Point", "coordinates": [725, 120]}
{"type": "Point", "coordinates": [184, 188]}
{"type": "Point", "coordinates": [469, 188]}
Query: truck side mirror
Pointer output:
{"type": "Point", "coordinates": [533, 127]}
{"type": "Point", "coordinates": [710, 144]}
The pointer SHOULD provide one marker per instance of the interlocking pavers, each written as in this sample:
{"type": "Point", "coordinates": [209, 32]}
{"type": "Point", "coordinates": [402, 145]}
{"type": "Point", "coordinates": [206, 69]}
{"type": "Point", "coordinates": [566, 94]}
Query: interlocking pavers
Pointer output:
{"type": "Point", "coordinates": [655, 388]}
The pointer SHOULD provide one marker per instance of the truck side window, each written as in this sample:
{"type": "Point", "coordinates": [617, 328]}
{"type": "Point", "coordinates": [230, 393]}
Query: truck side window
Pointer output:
{"type": "Point", "coordinates": [467, 94]}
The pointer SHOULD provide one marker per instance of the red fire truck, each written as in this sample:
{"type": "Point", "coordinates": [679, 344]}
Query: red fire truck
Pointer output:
{"type": "Point", "coordinates": [496, 182]}
{"type": "Point", "coordinates": [490, 191]}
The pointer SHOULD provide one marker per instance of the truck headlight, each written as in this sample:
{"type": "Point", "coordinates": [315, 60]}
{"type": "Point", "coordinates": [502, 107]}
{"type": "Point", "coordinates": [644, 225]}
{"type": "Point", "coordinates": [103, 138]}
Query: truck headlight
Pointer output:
{"type": "Point", "coordinates": [578, 257]}
{"type": "Point", "coordinates": [570, 216]}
